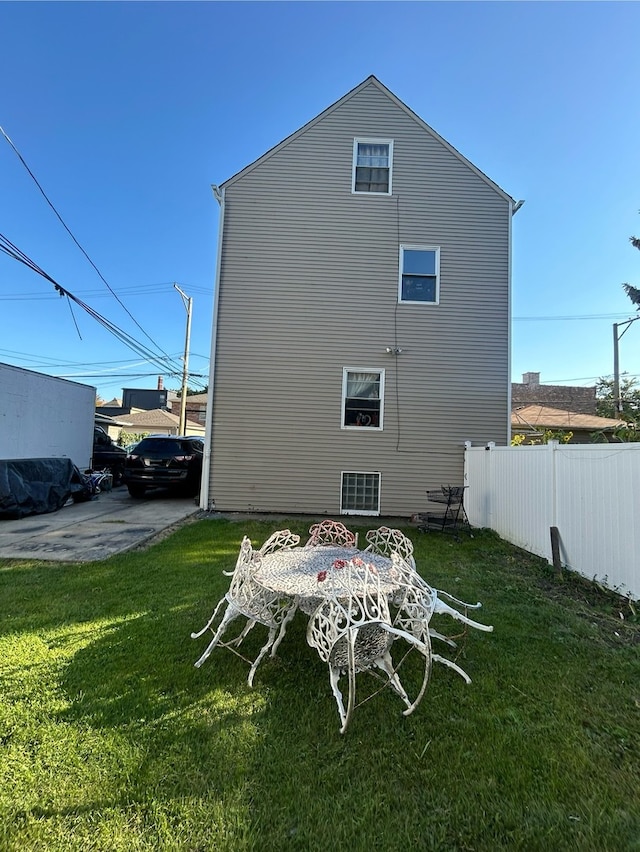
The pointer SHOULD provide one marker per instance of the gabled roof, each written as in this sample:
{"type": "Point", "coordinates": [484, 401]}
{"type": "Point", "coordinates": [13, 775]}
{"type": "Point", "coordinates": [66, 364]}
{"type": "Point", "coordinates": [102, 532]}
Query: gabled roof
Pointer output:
{"type": "Point", "coordinates": [371, 80]}
{"type": "Point", "coordinates": [104, 420]}
{"type": "Point", "coordinates": [156, 417]}
{"type": "Point", "coordinates": [543, 417]}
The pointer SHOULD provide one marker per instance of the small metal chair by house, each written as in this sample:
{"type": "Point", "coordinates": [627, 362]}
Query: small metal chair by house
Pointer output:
{"type": "Point", "coordinates": [450, 515]}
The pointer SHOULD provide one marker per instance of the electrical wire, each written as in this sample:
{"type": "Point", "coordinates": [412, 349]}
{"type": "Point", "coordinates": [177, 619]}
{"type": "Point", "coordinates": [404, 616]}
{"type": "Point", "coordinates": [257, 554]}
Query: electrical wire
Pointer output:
{"type": "Point", "coordinates": [166, 364]}
{"type": "Point", "coordinates": [68, 230]}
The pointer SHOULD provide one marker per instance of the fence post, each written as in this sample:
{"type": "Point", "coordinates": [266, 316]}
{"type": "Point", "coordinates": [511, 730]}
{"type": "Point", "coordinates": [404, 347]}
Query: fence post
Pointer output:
{"type": "Point", "coordinates": [553, 446]}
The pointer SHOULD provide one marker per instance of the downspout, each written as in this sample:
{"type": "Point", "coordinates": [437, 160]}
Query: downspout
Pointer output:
{"type": "Point", "coordinates": [514, 206]}
{"type": "Point", "coordinates": [205, 502]}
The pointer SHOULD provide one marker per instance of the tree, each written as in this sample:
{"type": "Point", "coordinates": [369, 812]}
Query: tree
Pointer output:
{"type": "Point", "coordinates": [629, 395]}
{"type": "Point", "coordinates": [193, 391]}
{"type": "Point", "coordinates": [633, 292]}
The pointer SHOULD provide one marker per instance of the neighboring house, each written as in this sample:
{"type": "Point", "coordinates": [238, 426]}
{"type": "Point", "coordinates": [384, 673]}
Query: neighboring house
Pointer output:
{"type": "Point", "coordinates": [160, 422]}
{"type": "Point", "coordinates": [533, 421]}
{"type": "Point", "coordinates": [196, 408]}
{"type": "Point", "coordinates": [579, 400]}
{"type": "Point", "coordinates": [111, 425]}
{"type": "Point", "coordinates": [361, 320]}
{"type": "Point", "coordinates": [141, 399]}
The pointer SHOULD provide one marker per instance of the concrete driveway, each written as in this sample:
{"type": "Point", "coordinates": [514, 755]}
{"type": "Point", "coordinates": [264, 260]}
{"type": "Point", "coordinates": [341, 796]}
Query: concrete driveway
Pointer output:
{"type": "Point", "coordinates": [87, 532]}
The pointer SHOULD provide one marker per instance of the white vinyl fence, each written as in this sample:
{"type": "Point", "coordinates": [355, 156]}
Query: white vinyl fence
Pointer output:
{"type": "Point", "coordinates": [590, 492]}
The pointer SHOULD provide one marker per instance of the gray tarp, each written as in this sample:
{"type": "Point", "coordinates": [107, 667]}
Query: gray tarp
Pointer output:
{"type": "Point", "coordinates": [38, 486]}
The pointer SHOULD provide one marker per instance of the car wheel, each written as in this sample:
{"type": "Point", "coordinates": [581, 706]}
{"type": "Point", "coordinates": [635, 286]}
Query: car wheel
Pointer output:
{"type": "Point", "coordinates": [136, 491]}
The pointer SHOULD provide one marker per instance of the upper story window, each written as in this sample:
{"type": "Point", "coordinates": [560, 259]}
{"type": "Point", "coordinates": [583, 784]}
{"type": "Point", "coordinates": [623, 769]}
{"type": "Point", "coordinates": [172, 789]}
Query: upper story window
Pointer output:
{"type": "Point", "coordinates": [419, 274]}
{"type": "Point", "coordinates": [362, 399]}
{"type": "Point", "coordinates": [372, 166]}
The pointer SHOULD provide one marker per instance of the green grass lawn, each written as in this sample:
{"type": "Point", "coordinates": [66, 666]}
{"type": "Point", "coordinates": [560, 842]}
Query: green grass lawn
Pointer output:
{"type": "Point", "coordinates": [112, 740]}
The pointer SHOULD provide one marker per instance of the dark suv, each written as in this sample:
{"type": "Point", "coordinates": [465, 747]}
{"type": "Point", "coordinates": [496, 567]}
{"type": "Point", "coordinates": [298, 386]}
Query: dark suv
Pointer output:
{"type": "Point", "coordinates": [108, 455]}
{"type": "Point", "coordinates": [165, 461]}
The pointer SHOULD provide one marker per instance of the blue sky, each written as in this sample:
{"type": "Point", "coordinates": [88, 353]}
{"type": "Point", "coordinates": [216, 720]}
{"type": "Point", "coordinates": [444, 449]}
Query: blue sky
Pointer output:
{"type": "Point", "coordinates": [126, 113]}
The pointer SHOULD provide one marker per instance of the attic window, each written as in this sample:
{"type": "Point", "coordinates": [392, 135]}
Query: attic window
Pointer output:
{"type": "Point", "coordinates": [372, 163]}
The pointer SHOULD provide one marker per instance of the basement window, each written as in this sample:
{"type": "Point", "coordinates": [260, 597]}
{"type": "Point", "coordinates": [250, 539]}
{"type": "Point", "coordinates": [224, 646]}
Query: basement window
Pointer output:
{"type": "Point", "coordinates": [360, 493]}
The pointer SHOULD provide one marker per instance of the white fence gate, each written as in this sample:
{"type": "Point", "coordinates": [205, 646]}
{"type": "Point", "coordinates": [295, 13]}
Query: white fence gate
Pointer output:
{"type": "Point", "coordinates": [590, 492]}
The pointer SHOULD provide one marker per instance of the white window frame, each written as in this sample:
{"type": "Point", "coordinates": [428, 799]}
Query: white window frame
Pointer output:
{"type": "Point", "coordinates": [368, 512]}
{"type": "Point", "coordinates": [436, 249]}
{"type": "Point", "coordinates": [345, 375]}
{"type": "Point", "coordinates": [371, 141]}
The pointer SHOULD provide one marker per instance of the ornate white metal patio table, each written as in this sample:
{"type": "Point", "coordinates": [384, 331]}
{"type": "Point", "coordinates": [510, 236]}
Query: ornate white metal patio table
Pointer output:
{"type": "Point", "coordinates": [304, 573]}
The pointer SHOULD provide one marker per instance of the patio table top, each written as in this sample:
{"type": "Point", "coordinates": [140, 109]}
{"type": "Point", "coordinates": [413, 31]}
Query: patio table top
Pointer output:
{"type": "Point", "coordinates": [316, 571]}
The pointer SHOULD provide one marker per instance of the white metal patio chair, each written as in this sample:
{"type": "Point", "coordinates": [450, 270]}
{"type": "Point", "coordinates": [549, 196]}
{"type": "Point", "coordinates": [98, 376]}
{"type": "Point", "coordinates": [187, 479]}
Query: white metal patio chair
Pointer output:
{"type": "Point", "coordinates": [415, 602]}
{"type": "Point", "coordinates": [248, 598]}
{"type": "Point", "coordinates": [331, 533]}
{"type": "Point", "coordinates": [280, 540]}
{"type": "Point", "coordinates": [352, 632]}
{"type": "Point", "coordinates": [386, 541]}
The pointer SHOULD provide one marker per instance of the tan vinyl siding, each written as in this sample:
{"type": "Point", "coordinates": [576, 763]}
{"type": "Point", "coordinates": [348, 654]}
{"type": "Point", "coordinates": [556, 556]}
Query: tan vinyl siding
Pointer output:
{"type": "Point", "coordinates": [309, 284]}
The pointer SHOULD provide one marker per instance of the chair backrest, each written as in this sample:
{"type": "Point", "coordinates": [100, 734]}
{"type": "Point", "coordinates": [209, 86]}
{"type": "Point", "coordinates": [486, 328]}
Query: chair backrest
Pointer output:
{"type": "Point", "coordinates": [331, 533]}
{"type": "Point", "coordinates": [414, 600]}
{"type": "Point", "coordinates": [386, 541]}
{"type": "Point", "coordinates": [352, 598]}
{"type": "Point", "coordinates": [243, 588]}
{"type": "Point", "coordinates": [280, 540]}
{"type": "Point", "coordinates": [248, 596]}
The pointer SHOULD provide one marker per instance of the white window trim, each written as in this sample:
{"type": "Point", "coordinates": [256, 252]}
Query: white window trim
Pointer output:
{"type": "Point", "coordinates": [368, 140]}
{"type": "Point", "coordinates": [412, 247]}
{"type": "Point", "coordinates": [371, 513]}
{"type": "Point", "coordinates": [345, 372]}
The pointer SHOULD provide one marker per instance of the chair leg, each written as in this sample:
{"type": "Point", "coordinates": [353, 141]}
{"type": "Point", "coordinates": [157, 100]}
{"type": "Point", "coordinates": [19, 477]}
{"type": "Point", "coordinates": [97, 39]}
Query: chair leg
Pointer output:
{"type": "Point", "coordinates": [444, 609]}
{"type": "Point", "coordinates": [351, 673]}
{"type": "Point", "coordinates": [263, 651]}
{"type": "Point", "coordinates": [210, 622]}
{"type": "Point", "coordinates": [283, 629]}
{"type": "Point", "coordinates": [435, 635]}
{"type": "Point", "coordinates": [385, 663]}
{"type": "Point", "coordinates": [334, 678]}
{"type": "Point", "coordinates": [458, 601]}
{"type": "Point", "coordinates": [445, 662]}
{"type": "Point", "coordinates": [239, 639]}
{"type": "Point", "coordinates": [425, 680]}
{"type": "Point", "coordinates": [230, 613]}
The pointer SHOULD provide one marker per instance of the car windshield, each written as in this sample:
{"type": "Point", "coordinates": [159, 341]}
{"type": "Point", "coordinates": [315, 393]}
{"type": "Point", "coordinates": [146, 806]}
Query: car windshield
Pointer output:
{"type": "Point", "coordinates": [168, 447]}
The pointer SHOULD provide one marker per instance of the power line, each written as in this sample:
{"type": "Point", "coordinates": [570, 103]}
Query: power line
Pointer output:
{"type": "Point", "coordinates": [569, 317]}
{"type": "Point", "coordinates": [13, 251]}
{"type": "Point", "coordinates": [68, 230]}
{"type": "Point", "coordinates": [132, 290]}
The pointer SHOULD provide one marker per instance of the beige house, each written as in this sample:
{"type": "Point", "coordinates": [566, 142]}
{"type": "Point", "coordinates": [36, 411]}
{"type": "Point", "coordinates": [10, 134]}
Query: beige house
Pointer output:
{"type": "Point", "coordinates": [361, 320]}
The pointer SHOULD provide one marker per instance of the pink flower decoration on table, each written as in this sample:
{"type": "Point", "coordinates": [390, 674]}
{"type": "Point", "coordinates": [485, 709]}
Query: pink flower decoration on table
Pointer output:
{"type": "Point", "coordinates": [357, 561]}
{"type": "Point", "coordinates": [322, 576]}
{"type": "Point", "coordinates": [339, 563]}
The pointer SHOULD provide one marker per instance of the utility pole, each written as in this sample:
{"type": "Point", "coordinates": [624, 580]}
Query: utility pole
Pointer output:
{"type": "Point", "coordinates": [187, 301]}
{"type": "Point", "coordinates": [616, 362]}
